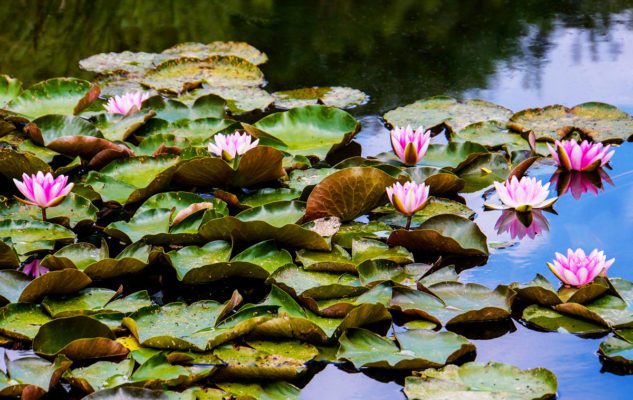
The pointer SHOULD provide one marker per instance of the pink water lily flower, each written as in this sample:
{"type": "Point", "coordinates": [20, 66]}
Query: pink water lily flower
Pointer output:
{"type": "Point", "coordinates": [519, 227]}
{"type": "Point", "coordinates": [408, 198]}
{"type": "Point", "coordinates": [126, 104]}
{"type": "Point", "coordinates": [522, 195]}
{"type": "Point", "coordinates": [34, 269]}
{"type": "Point", "coordinates": [580, 183]}
{"type": "Point", "coordinates": [410, 146]}
{"type": "Point", "coordinates": [230, 146]}
{"type": "Point", "coordinates": [43, 190]}
{"type": "Point", "coordinates": [578, 269]}
{"type": "Point", "coordinates": [572, 156]}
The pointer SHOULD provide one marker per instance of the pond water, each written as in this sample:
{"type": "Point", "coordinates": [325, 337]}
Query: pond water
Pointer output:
{"type": "Point", "coordinates": [517, 54]}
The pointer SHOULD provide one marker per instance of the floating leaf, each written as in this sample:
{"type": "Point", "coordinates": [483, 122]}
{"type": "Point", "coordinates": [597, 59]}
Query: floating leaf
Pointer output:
{"type": "Point", "coordinates": [444, 234]}
{"type": "Point", "coordinates": [357, 230]}
{"type": "Point", "coordinates": [348, 193]}
{"type": "Point", "coordinates": [15, 163]}
{"type": "Point", "coordinates": [74, 210]}
{"type": "Point", "coordinates": [10, 88]}
{"type": "Point", "coordinates": [311, 130]}
{"type": "Point", "coordinates": [21, 321]}
{"type": "Point", "coordinates": [599, 121]}
{"type": "Point", "coordinates": [316, 285]}
{"type": "Point", "coordinates": [440, 181]}
{"type": "Point", "coordinates": [27, 236]}
{"type": "Point", "coordinates": [550, 320]}
{"type": "Point", "coordinates": [484, 381]}
{"type": "Point", "coordinates": [435, 206]}
{"type": "Point", "coordinates": [336, 96]}
{"type": "Point", "coordinates": [53, 96]}
{"type": "Point", "coordinates": [100, 375]}
{"type": "Point", "coordinates": [124, 62]}
{"type": "Point", "coordinates": [541, 291]}
{"type": "Point", "coordinates": [414, 349]}
{"type": "Point", "coordinates": [31, 377]}
{"type": "Point", "coordinates": [200, 50]}
{"type": "Point", "coordinates": [239, 99]}
{"type": "Point", "coordinates": [95, 300]}
{"type": "Point", "coordinates": [446, 112]}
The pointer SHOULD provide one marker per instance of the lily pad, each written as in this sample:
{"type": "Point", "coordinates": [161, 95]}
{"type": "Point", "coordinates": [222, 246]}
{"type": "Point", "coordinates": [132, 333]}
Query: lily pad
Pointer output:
{"type": "Point", "coordinates": [483, 170]}
{"type": "Point", "coordinates": [15, 163]}
{"type": "Point", "coordinates": [74, 210]}
{"type": "Point", "coordinates": [311, 130]}
{"type": "Point", "coordinates": [100, 375]}
{"type": "Point", "coordinates": [96, 263]}
{"type": "Point", "coordinates": [541, 291]}
{"type": "Point", "coordinates": [78, 338]}
{"type": "Point", "coordinates": [158, 372]}
{"type": "Point", "coordinates": [443, 234]}
{"type": "Point", "coordinates": [258, 165]}
{"type": "Point", "coordinates": [31, 377]}
{"type": "Point", "coordinates": [440, 181]}
{"type": "Point", "coordinates": [124, 62]}
{"type": "Point", "coordinates": [271, 221]}
{"type": "Point", "coordinates": [336, 96]}
{"type": "Point", "coordinates": [132, 179]}
{"type": "Point", "coordinates": [599, 121]}
{"type": "Point", "coordinates": [195, 327]}
{"type": "Point", "coordinates": [435, 206]}
{"type": "Point", "coordinates": [10, 88]}
{"type": "Point", "coordinates": [454, 303]}
{"type": "Point", "coordinates": [22, 321]}
{"type": "Point", "coordinates": [175, 76]}
{"type": "Point", "coordinates": [207, 106]}
{"type": "Point", "coordinates": [239, 99]}
{"type": "Point", "coordinates": [27, 236]}
{"type": "Point", "coordinates": [413, 349]}
{"type": "Point", "coordinates": [265, 360]}
{"type": "Point", "coordinates": [212, 262]}
{"type": "Point", "coordinates": [483, 381]}
{"type": "Point", "coordinates": [264, 196]}
{"type": "Point", "coordinates": [93, 301]}
{"type": "Point", "coordinates": [279, 390]}
{"type": "Point", "coordinates": [550, 320]}
{"type": "Point", "coordinates": [351, 231]}
{"type": "Point", "coordinates": [200, 50]}
{"type": "Point", "coordinates": [339, 307]}
{"type": "Point", "coordinates": [316, 285]}
{"type": "Point", "coordinates": [618, 348]}
{"type": "Point", "coordinates": [53, 96]}
{"type": "Point", "coordinates": [445, 112]}
{"type": "Point", "coordinates": [115, 127]}
{"type": "Point", "coordinates": [348, 193]}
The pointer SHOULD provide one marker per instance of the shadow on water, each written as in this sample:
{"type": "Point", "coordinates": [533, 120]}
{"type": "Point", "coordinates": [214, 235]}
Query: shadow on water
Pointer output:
{"type": "Point", "coordinates": [518, 54]}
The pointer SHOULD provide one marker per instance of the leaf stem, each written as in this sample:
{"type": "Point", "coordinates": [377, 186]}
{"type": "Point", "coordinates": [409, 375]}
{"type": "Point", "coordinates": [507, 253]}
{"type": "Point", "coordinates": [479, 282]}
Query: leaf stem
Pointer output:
{"type": "Point", "coordinates": [409, 218]}
{"type": "Point", "coordinates": [43, 214]}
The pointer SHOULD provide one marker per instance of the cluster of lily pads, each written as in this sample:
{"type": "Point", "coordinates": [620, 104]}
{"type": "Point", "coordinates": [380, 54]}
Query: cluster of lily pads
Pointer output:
{"type": "Point", "coordinates": [168, 232]}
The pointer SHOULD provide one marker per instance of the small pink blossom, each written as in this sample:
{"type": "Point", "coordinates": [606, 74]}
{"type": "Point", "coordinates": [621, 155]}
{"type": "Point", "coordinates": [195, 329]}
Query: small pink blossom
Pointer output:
{"type": "Point", "coordinates": [572, 156]}
{"type": "Point", "coordinates": [410, 146]}
{"type": "Point", "coordinates": [43, 190]}
{"type": "Point", "coordinates": [408, 198]}
{"type": "Point", "coordinates": [126, 104]}
{"type": "Point", "coordinates": [578, 269]}
{"type": "Point", "coordinates": [522, 195]}
{"type": "Point", "coordinates": [34, 269]}
{"type": "Point", "coordinates": [518, 227]}
{"type": "Point", "coordinates": [230, 146]}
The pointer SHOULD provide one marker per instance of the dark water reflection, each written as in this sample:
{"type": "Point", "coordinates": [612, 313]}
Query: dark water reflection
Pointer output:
{"type": "Point", "coordinates": [519, 54]}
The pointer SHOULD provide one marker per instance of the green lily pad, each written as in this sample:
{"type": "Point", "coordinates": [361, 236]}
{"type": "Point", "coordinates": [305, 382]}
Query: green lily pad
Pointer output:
{"type": "Point", "coordinates": [197, 132]}
{"type": "Point", "coordinates": [212, 262]}
{"type": "Point", "coordinates": [440, 181]}
{"type": "Point", "coordinates": [339, 260]}
{"type": "Point", "coordinates": [482, 171]}
{"type": "Point", "coordinates": [17, 287]}
{"type": "Point", "coordinates": [335, 96]}
{"type": "Point", "coordinates": [130, 393]}
{"type": "Point", "coordinates": [599, 121]}
{"type": "Point", "coordinates": [413, 349]}
{"type": "Point", "coordinates": [293, 322]}
{"type": "Point", "coordinates": [10, 88]}
{"type": "Point", "coordinates": [175, 76]}
{"type": "Point", "coordinates": [258, 165]}
{"type": "Point", "coordinates": [208, 106]}
{"type": "Point", "coordinates": [446, 112]}
{"type": "Point", "coordinates": [53, 96]}
{"type": "Point", "coordinates": [454, 303]}
{"type": "Point", "coordinates": [132, 179]}
{"type": "Point", "coordinates": [31, 377]}
{"type": "Point", "coordinates": [100, 375]}
{"type": "Point", "coordinates": [21, 321]}
{"type": "Point", "coordinates": [348, 193]}
{"type": "Point", "coordinates": [279, 390]}
{"type": "Point", "coordinates": [195, 327]}
{"type": "Point", "coordinates": [340, 307]}
{"type": "Point", "coordinates": [158, 372]}
{"type": "Point", "coordinates": [15, 163]}
{"type": "Point", "coordinates": [375, 272]}
{"type": "Point", "coordinates": [264, 196]}
{"type": "Point", "coordinates": [435, 206]}
{"type": "Point", "coordinates": [311, 130]}
{"type": "Point", "coordinates": [78, 338]}
{"type": "Point", "coordinates": [306, 180]}
{"type": "Point", "coordinates": [74, 210]}
{"type": "Point", "coordinates": [618, 349]}
{"type": "Point", "coordinates": [8, 257]}
{"type": "Point", "coordinates": [443, 234]}
{"type": "Point", "coordinates": [316, 285]}
{"type": "Point", "coordinates": [492, 134]}
{"type": "Point", "coordinates": [541, 291]}
{"type": "Point", "coordinates": [550, 320]}
{"type": "Point", "coordinates": [265, 359]}
{"type": "Point", "coordinates": [271, 221]}
{"type": "Point", "coordinates": [351, 231]}
{"type": "Point", "coordinates": [94, 300]}
{"type": "Point", "coordinates": [27, 236]}
{"type": "Point", "coordinates": [96, 263]}
{"type": "Point", "coordinates": [116, 127]}
{"type": "Point", "coordinates": [239, 99]}
{"type": "Point", "coordinates": [200, 50]}
{"type": "Point", "coordinates": [124, 62]}
{"type": "Point", "coordinates": [482, 381]}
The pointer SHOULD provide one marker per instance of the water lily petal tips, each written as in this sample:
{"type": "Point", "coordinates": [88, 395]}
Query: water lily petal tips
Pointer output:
{"type": "Point", "coordinates": [43, 190]}
{"type": "Point", "coordinates": [585, 156]}
{"type": "Point", "coordinates": [408, 198]}
{"type": "Point", "coordinates": [230, 146]}
{"type": "Point", "coordinates": [34, 269]}
{"type": "Point", "coordinates": [410, 146]}
{"type": "Point", "coordinates": [127, 103]}
{"type": "Point", "coordinates": [522, 195]}
{"type": "Point", "coordinates": [578, 269]}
